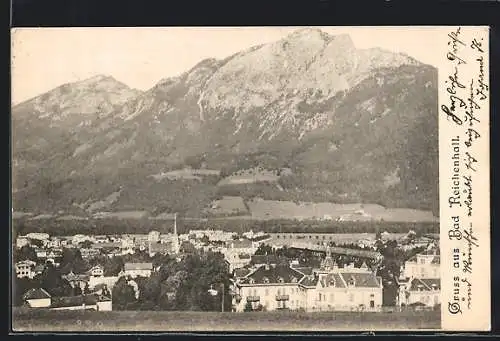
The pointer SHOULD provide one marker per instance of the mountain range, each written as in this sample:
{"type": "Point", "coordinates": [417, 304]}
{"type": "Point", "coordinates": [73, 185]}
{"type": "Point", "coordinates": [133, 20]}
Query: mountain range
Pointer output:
{"type": "Point", "coordinates": [348, 125]}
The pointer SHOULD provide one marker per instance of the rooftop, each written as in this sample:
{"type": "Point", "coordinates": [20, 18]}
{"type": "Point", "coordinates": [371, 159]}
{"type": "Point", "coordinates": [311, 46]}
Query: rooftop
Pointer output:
{"type": "Point", "coordinates": [36, 294]}
{"type": "Point", "coordinates": [138, 266]}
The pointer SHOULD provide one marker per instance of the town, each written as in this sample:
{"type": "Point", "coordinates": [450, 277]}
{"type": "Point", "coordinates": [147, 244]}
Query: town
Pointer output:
{"type": "Point", "coordinates": [214, 270]}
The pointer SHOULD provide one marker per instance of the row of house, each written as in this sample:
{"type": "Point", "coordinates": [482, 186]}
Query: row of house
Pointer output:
{"type": "Point", "coordinates": [40, 298]}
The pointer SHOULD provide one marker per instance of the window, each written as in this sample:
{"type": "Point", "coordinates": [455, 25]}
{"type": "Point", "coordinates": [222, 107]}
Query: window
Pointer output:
{"type": "Point", "coordinates": [280, 280]}
{"type": "Point", "coordinates": [267, 291]}
{"type": "Point", "coordinates": [255, 292]}
{"type": "Point", "coordinates": [320, 297]}
{"type": "Point", "coordinates": [284, 291]}
{"type": "Point", "coordinates": [279, 292]}
{"type": "Point", "coordinates": [332, 297]}
{"type": "Point", "coordinates": [351, 297]}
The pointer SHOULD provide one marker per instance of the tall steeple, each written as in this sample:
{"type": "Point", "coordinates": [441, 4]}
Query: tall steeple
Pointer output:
{"type": "Point", "coordinates": [175, 240]}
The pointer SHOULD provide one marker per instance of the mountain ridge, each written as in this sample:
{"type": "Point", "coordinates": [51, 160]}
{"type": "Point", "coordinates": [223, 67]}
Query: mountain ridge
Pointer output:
{"type": "Point", "coordinates": [310, 101]}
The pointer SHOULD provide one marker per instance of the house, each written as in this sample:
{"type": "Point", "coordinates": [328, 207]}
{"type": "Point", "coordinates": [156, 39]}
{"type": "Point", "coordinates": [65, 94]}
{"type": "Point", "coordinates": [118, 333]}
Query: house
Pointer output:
{"type": "Point", "coordinates": [160, 248]}
{"type": "Point", "coordinates": [25, 269]}
{"type": "Point", "coordinates": [37, 298]}
{"type": "Point", "coordinates": [424, 265]}
{"type": "Point", "coordinates": [328, 288]}
{"type": "Point", "coordinates": [107, 281]}
{"type": "Point", "coordinates": [21, 241]}
{"type": "Point", "coordinates": [137, 269]}
{"type": "Point", "coordinates": [236, 261]}
{"type": "Point", "coordinates": [38, 236]}
{"type": "Point", "coordinates": [89, 253]}
{"type": "Point", "coordinates": [77, 280]}
{"type": "Point", "coordinates": [424, 292]}
{"type": "Point", "coordinates": [96, 271]}
{"type": "Point", "coordinates": [80, 238]}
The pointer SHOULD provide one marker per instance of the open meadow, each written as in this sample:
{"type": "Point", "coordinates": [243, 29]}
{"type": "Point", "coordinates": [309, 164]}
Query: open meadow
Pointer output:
{"type": "Point", "coordinates": [184, 321]}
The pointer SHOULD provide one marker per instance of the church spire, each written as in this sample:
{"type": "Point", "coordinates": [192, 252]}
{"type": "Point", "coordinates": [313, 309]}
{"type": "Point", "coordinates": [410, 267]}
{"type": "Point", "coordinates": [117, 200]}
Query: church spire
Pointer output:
{"type": "Point", "coordinates": [175, 241]}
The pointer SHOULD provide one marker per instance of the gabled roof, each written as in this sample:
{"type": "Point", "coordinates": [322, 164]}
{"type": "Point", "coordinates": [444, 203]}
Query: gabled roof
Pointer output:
{"type": "Point", "coordinates": [427, 284]}
{"type": "Point", "coordinates": [309, 281]}
{"type": "Point", "coordinates": [332, 279]}
{"type": "Point", "coordinates": [362, 280]}
{"type": "Point", "coordinates": [274, 274]}
{"type": "Point", "coordinates": [36, 294]}
{"type": "Point", "coordinates": [305, 270]}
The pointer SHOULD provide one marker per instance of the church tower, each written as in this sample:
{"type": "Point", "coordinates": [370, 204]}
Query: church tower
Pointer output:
{"type": "Point", "coordinates": [328, 263]}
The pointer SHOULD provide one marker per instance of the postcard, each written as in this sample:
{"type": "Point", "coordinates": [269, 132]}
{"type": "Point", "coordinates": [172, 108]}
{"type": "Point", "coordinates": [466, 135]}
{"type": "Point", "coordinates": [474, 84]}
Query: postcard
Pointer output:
{"type": "Point", "coordinates": [294, 179]}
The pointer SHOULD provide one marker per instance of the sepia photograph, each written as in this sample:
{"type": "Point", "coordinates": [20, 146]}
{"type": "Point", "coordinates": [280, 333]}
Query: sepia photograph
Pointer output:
{"type": "Point", "coordinates": [232, 179]}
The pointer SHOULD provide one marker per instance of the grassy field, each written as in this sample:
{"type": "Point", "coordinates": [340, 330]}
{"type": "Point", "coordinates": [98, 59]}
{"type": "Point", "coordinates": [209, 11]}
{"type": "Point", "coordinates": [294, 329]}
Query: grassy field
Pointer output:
{"type": "Point", "coordinates": [143, 321]}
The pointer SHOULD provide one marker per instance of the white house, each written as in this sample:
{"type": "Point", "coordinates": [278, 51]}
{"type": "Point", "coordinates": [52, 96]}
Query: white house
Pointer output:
{"type": "Point", "coordinates": [37, 298]}
{"type": "Point", "coordinates": [25, 269]}
{"type": "Point", "coordinates": [96, 271]}
{"type": "Point", "coordinates": [21, 241]}
{"type": "Point", "coordinates": [423, 265]}
{"type": "Point", "coordinates": [420, 292]}
{"type": "Point", "coordinates": [38, 236]}
{"type": "Point", "coordinates": [137, 269]}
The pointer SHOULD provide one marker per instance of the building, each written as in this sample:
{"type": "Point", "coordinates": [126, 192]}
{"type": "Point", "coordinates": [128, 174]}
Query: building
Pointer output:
{"type": "Point", "coordinates": [22, 241]}
{"type": "Point", "coordinates": [137, 270]}
{"type": "Point", "coordinates": [96, 271]}
{"type": "Point", "coordinates": [25, 269]}
{"type": "Point", "coordinates": [77, 280]}
{"type": "Point", "coordinates": [420, 292]}
{"type": "Point", "coordinates": [329, 288]}
{"type": "Point", "coordinates": [37, 298]}
{"type": "Point", "coordinates": [237, 260]}
{"type": "Point", "coordinates": [424, 265]}
{"type": "Point", "coordinates": [38, 236]}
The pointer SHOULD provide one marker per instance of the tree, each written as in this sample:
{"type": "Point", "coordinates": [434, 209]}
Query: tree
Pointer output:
{"type": "Point", "coordinates": [72, 261]}
{"type": "Point", "coordinates": [113, 266]}
{"type": "Point", "coordinates": [123, 295]}
{"type": "Point", "coordinates": [248, 307]}
{"type": "Point", "coordinates": [51, 280]}
{"type": "Point", "coordinates": [86, 244]}
{"type": "Point", "coordinates": [25, 253]}
{"type": "Point", "coordinates": [149, 293]}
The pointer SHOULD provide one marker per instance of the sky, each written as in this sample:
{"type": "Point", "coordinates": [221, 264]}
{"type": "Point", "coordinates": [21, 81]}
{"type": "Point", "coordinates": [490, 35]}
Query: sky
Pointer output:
{"type": "Point", "coordinates": [44, 58]}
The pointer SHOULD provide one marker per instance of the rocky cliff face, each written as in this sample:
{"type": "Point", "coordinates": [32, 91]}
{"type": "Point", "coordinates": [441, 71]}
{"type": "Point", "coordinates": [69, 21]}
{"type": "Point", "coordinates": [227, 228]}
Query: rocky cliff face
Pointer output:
{"type": "Point", "coordinates": [354, 125]}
